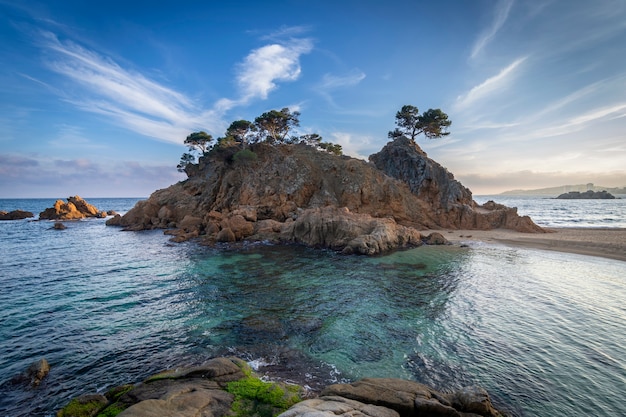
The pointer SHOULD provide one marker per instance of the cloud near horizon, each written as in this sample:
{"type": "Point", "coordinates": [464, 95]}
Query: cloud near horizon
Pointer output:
{"type": "Point", "coordinates": [529, 180]}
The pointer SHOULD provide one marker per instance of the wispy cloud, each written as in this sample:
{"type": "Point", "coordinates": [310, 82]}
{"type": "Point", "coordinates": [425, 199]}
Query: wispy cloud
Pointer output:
{"type": "Point", "coordinates": [581, 121]}
{"type": "Point", "coordinates": [263, 67]}
{"type": "Point", "coordinates": [330, 81]}
{"type": "Point", "coordinates": [489, 86]}
{"type": "Point", "coordinates": [500, 16]}
{"type": "Point", "coordinates": [127, 96]}
{"type": "Point", "coordinates": [152, 109]}
{"type": "Point", "coordinates": [286, 32]}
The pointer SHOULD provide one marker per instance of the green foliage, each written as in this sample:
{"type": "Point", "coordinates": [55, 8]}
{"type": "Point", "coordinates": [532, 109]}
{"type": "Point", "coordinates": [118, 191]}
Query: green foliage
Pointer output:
{"type": "Point", "coordinates": [241, 131]}
{"type": "Point", "coordinates": [114, 394]}
{"type": "Point", "coordinates": [433, 122]}
{"type": "Point", "coordinates": [410, 123]}
{"type": "Point", "coordinates": [333, 148]}
{"type": "Point", "coordinates": [111, 411]}
{"type": "Point", "coordinates": [244, 156]}
{"type": "Point", "coordinates": [185, 160]}
{"type": "Point", "coordinates": [254, 397]}
{"type": "Point", "coordinates": [77, 409]}
{"type": "Point", "coordinates": [199, 141]}
{"type": "Point", "coordinates": [273, 126]}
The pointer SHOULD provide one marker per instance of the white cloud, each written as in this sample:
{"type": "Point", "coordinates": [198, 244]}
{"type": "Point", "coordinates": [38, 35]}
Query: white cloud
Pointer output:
{"type": "Point", "coordinates": [264, 66]}
{"type": "Point", "coordinates": [154, 110]}
{"type": "Point", "coordinates": [356, 147]}
{"type": "Point", "coordinates": [489, 86]}
{"type": "Point", "coordinates": [501, 14]}
{"type": "Point", "coordinates": [131, 99]}
{"type": "Point", "coordinates": [330, 81]}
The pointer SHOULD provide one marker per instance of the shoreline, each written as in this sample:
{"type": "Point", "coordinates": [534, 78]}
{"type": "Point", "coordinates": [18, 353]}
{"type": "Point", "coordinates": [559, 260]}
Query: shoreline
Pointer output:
{"type": "Point", "coordinates": [602, 242]}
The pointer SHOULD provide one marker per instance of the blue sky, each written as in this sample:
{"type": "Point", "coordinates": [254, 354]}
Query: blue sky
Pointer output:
{"type": "Point", "coordinates": [96, 98]}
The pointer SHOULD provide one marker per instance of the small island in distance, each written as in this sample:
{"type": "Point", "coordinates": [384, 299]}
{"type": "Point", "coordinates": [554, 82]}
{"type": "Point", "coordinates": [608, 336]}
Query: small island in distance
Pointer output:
{"type": "Point", "coordinates": [565, 189]}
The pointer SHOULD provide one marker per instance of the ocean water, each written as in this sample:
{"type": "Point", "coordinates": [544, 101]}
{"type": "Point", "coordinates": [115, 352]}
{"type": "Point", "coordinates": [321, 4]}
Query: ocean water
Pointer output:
{"type": "Point", "coordinates": [551, 212]}
{"type": "Point", "coordinates": [542, 331]}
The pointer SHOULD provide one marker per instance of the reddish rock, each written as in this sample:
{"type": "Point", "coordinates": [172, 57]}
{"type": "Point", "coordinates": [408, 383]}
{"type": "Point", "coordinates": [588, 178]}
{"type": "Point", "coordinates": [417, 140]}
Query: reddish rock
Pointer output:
{"type": "Point", "coordinates": [74, 209]}
{"type": "Point", "coordinates": [295, 193]}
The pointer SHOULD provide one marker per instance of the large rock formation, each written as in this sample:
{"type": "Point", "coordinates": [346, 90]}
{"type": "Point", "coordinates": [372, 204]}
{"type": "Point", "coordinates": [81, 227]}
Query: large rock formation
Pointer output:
{"type": "Point", "coordinates": [76, 208]}
{"type": "Point", "coordinates": [226, 386]}
{"type": "Point", "coordinates": [295, 193]}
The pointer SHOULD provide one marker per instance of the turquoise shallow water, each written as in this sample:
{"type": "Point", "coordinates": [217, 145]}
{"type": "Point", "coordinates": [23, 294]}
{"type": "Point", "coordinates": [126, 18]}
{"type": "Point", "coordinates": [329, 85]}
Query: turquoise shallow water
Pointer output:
{"type": "Point", "coordinates": [543, 332]}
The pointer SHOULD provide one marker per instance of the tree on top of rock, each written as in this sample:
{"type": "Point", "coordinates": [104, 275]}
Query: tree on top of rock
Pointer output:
{"type": "Point", "coordinates": [433, 123]}
{"type": "Point", "coordinates": [200, 141]}
{"type": "Point", "coordinates": [196, 142]}
{"type": "Point", "coordinates": [241, 131]}
{"type": "Point", "coordinates": [274, 126]}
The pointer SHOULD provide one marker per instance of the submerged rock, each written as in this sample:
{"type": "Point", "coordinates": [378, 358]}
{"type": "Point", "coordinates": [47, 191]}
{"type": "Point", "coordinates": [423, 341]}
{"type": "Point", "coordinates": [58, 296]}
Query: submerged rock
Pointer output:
{"type": "Point", "coordinates": [34, 374]}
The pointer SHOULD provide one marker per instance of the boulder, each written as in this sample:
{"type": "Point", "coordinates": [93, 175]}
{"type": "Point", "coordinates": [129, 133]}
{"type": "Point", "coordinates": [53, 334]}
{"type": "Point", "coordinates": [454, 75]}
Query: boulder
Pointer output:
{"type": "Point", "coordinates": [436, 238]}
{"type": "Point", "coordinates": [351, 233]}
{"type": "Point", "coordinates": [223, 386]}
{"type": "Point", "coordinates": [37, 371]}
{"type": "Point", "coordinates": [15, 215]}
{"type": "Point", "coordinates": [59, 226]}
{"type": "Point", "coordinates": [410, 398]}
{"type": "Point", "coordinates": [88, 405]}
{"type": "Point", "coordinates": [74, 209]}
{"type": "Point", "coordinates": [333, 406]}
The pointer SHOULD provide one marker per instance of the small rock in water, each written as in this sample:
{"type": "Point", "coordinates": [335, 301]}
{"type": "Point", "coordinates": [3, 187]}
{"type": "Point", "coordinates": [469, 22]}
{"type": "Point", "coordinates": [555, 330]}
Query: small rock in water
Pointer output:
{"type": "Point", "coordinates": [37, 371]}
{"type": "Point", "coordinates": [59, 226]}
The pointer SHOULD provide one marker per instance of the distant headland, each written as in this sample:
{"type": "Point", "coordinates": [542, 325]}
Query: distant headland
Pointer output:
{"type": "Point", "coordinates": [556, 191]}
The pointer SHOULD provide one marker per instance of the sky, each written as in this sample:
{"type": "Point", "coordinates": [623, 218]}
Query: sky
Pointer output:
{"type": "Point", "coordinates": [96, 98]}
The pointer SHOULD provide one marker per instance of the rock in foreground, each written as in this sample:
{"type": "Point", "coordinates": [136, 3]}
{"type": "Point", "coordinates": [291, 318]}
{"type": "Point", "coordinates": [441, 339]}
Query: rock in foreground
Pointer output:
{"type": "Point", "coordinates": [227, 386]}
{"type": "Point", "coordinates": [74, 209]}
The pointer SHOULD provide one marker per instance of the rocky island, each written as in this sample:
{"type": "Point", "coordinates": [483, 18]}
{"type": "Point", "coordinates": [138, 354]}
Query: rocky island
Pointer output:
{"type": "Point", "coordinates": [587, 195]}
{"type": "Point", "coordinates": [75, 208]}
{"type": "Point", "coordinates": [297, 193]}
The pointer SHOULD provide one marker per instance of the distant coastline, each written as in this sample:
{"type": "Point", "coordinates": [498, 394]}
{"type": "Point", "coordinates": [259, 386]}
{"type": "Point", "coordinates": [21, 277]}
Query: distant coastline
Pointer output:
{"type": "Point", "coordinates": [555, 191]}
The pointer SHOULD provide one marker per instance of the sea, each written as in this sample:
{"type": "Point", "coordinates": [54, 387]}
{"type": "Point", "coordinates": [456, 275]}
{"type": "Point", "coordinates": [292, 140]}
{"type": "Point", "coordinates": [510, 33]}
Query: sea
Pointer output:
{"type": "Point", "coordinates": [543, 332]}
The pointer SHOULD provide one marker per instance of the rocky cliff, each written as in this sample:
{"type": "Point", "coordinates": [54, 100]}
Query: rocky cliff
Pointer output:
{"type": "Point", "coordinates": [296, 193]}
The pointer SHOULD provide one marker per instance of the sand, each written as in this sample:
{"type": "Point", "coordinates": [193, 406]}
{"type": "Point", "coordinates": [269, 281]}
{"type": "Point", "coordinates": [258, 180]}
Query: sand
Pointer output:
{"type": "Point", "coordinates": [606, 243]}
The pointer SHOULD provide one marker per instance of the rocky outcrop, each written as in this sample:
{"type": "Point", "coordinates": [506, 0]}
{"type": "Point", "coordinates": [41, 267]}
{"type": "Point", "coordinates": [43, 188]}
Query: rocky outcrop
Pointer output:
{"type": "Point", "coordinates": [410, 398]}
{"type": "Point", "coordinates": [222, 385]}
{"type": "Point", "coordinates": [74, 209]}
{"type": "Point", "coordinates": [15, 215]}
{"type": "Point", "coordinates": [587, 195]}
{"type": "Point", "coordinates": [451, 203]}
{"type": "Point", "coordinates": [297, 194]}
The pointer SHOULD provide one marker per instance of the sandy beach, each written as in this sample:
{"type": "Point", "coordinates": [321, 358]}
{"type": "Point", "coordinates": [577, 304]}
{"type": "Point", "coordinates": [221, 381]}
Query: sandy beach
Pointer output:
{"type": "Point", "coordinates": [607, 243]}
